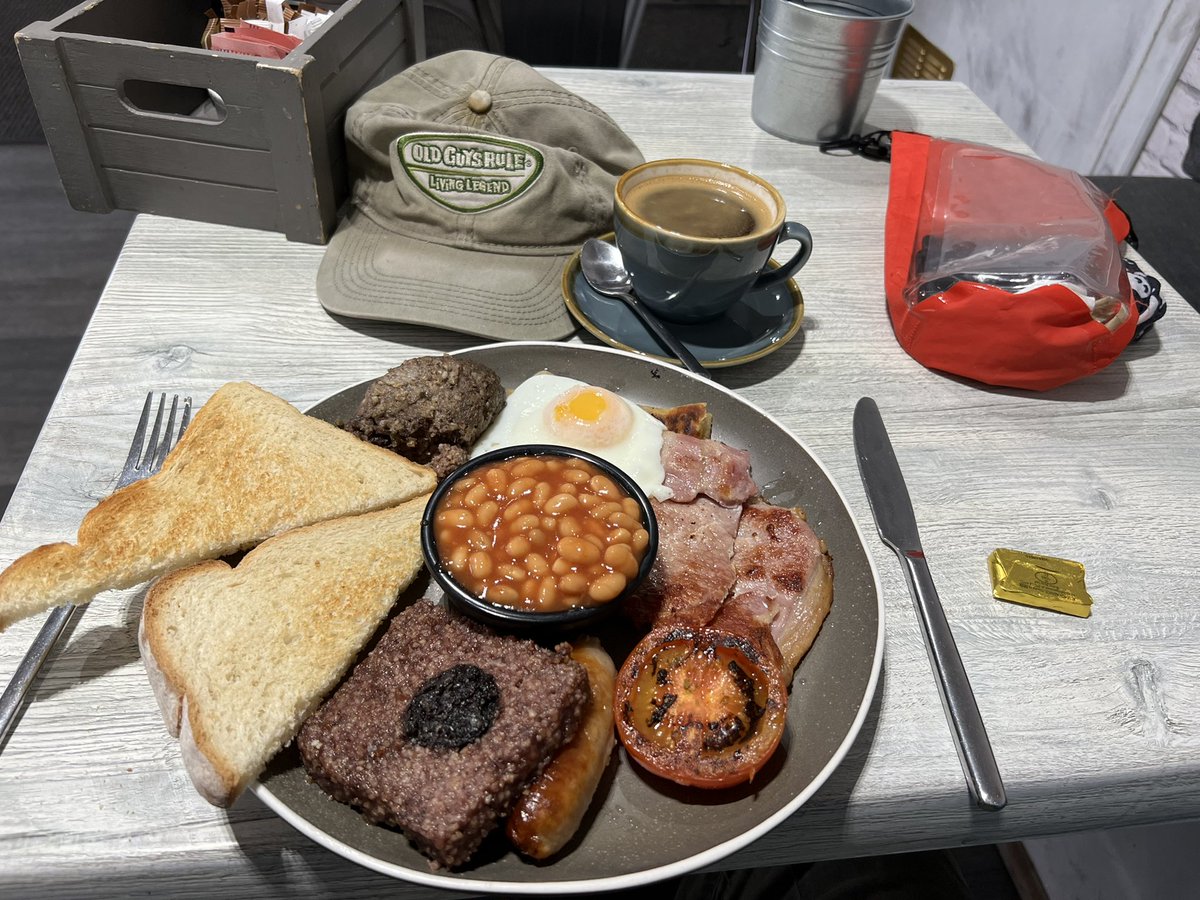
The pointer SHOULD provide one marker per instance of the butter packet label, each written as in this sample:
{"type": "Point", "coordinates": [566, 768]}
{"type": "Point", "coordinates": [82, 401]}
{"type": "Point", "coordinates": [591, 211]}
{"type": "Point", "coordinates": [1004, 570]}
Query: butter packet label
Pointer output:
{"type": "Point", "coordinates": [1045, 582]}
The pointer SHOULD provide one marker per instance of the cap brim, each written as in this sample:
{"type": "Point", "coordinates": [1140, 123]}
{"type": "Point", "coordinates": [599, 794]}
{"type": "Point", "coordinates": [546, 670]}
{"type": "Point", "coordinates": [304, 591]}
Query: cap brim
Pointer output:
{"type": "Point", "coordinates": [369, 272]}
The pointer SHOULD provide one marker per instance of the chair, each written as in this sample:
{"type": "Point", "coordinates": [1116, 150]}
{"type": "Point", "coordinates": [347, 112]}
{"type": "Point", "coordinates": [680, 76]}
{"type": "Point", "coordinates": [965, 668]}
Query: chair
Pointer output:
{"type": "Point", "coordinates": [635, 11]}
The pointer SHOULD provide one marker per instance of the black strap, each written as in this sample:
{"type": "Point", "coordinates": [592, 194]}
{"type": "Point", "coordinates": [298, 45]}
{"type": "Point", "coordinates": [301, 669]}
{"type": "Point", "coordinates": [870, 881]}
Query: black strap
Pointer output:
{"type": "Point", "coordinates": [876, 145]}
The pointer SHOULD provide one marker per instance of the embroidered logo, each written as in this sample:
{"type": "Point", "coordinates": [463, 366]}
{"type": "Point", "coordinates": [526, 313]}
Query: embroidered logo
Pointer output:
{"type": "Point", "coordinates": [467, 173]}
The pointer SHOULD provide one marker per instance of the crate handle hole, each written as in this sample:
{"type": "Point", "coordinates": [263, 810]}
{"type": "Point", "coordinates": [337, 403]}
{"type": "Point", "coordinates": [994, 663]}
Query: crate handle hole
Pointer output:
{"type": "Point", "coordinates": [179, 101]}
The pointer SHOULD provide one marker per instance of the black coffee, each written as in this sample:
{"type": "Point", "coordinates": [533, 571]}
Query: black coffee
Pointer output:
{"type": "Point", "coordinates": [697, 207]}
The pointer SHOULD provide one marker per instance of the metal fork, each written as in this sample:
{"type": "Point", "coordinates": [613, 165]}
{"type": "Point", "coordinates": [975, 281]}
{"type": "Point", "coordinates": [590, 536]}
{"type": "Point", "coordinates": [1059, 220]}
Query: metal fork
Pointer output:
{"type": "Point", "coordinates": [145, 458]}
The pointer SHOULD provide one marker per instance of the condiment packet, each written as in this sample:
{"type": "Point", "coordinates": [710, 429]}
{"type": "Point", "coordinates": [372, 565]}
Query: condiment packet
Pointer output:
{"type": "Point", "coordinates": [307, 22]}
{"type": "Point", "coordinates": [278, 27]}
{"type": "Point", "coordinates": [245, 42]}
{"type": "Point", "coordinates": [267, 35]}
{"type": "Point", "coordinates": [288, 19]}
{"type": "Point", "coordinates": [1045, 582]}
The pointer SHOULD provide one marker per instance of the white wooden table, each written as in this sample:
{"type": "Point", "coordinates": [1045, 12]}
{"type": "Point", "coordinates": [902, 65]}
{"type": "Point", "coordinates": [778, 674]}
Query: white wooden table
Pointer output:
{"type": "Point", "coordinates": [1095, 723]}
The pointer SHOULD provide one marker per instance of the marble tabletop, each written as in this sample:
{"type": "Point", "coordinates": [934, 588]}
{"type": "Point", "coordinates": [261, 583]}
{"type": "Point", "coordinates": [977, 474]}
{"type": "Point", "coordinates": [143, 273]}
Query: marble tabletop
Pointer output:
{"type": "Point", "coordinates": [1094, 721]}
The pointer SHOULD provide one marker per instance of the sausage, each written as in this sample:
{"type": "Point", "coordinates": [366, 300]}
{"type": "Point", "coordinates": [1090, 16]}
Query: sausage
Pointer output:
{"type": "Point", "coordinates": [550, 810]}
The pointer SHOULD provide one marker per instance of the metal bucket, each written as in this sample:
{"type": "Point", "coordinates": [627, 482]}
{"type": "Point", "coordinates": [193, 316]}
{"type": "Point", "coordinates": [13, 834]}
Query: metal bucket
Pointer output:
{"type": "Point", "coordinates": [819, 64]}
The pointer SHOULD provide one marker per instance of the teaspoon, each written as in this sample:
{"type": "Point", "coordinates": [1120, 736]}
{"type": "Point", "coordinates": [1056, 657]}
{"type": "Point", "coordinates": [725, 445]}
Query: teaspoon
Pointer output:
{"type": "Point", "coordinates": [605, 271]}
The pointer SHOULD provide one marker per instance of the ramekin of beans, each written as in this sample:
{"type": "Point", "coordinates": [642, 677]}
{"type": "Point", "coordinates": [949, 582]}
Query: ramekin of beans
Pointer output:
{"type": "Point", "coordinates": [537, 536]}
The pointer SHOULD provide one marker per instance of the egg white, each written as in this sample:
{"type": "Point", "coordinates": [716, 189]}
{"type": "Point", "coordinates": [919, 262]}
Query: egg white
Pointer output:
{"type": "Point", "coordinates": [638, 453]}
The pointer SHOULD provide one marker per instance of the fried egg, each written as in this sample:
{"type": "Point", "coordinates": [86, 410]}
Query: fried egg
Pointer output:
{"type": "Point", "coordinates": [551, 409]}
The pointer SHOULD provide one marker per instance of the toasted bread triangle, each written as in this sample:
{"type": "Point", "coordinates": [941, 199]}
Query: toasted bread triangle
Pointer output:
{"type": "Point", "coordinates": [239, 657]}
{"type": "Point", "coordinates": [249, 466]}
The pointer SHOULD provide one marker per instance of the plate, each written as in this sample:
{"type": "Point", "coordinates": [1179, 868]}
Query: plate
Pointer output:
{"type": "Point", "coordinates": [642, 829]}
{"type": "Point", "coordinates": [760, 324]}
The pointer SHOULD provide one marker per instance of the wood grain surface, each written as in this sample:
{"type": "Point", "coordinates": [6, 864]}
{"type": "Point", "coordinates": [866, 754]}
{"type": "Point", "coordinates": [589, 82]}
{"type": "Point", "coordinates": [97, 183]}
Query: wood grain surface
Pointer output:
{"type": "Point", "coordinates": [1094, 722]}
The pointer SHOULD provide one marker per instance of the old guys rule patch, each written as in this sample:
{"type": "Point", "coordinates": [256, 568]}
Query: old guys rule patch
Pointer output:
{"type": "Point", "coordinates": [465, 172]}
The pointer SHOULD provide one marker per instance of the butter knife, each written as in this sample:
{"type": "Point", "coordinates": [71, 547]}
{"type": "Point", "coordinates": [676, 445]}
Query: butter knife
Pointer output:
{"type": "Point", "coordinates": [892, 508]}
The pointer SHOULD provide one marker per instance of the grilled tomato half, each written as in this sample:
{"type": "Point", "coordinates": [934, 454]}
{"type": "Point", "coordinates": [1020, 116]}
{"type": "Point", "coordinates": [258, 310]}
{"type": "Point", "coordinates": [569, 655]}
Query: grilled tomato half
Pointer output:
{"type": "Point", "coordinates": [701, 706]}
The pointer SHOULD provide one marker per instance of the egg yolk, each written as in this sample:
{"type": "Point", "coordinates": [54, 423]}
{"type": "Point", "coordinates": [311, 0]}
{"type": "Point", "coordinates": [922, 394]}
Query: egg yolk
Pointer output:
{"type": "Point", "coordinates": [589, 417]}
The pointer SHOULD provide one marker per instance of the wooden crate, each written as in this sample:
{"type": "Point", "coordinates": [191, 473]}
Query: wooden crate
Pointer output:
{"type": "Point", "coordinates": [138, 116]}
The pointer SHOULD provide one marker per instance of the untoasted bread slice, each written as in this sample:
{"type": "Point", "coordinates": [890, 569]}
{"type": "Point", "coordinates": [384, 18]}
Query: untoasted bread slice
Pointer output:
{"type": "Point", "coordinates": [249, 466]}
{"type": "Point", "coordinates": [239, 657]}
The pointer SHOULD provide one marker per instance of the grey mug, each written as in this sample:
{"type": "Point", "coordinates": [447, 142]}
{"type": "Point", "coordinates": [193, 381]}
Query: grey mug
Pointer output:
{"type": "Point", "coordinates": [691, 278]}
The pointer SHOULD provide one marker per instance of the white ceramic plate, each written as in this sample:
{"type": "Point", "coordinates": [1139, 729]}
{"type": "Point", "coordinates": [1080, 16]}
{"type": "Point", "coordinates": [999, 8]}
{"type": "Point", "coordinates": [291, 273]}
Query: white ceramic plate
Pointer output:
{"type": "Point", "coordinates": [640, 828]}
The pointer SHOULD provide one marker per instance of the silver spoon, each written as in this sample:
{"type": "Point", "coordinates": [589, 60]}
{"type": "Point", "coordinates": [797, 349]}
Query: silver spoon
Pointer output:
{"type": "Point", "coordinates": [605, 271]}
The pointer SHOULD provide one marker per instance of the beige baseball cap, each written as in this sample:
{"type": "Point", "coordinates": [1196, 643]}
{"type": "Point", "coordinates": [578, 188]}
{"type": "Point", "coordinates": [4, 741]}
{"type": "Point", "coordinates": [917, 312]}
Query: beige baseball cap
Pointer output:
{"type": "Point", "coordinates": [474, 181]}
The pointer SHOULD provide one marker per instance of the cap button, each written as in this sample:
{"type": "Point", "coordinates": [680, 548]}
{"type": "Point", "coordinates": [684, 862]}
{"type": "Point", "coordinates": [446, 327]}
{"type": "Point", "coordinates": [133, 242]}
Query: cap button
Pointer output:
{"type": "Point", "coordinates": [479, 102]}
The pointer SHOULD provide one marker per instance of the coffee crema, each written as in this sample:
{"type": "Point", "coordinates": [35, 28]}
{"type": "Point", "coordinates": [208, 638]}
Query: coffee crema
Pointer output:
{"type": "Point", "coordinates": [697, 206]}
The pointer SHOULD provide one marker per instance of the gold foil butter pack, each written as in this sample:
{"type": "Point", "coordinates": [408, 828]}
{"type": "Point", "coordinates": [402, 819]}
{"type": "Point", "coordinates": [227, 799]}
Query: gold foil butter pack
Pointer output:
{"type": "Point", "coordinates": [1042, 581]}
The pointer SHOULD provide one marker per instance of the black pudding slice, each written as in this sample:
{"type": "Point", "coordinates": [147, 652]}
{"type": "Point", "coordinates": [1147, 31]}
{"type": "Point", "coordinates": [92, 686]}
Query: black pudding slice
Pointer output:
{"type": "Point", "coordinates": [453, 709]}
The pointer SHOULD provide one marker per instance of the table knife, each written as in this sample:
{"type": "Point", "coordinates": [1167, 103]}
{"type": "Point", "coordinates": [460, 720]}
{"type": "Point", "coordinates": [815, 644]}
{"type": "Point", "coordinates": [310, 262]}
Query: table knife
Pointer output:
{"type": "Point", "coordinates": [892, 508]}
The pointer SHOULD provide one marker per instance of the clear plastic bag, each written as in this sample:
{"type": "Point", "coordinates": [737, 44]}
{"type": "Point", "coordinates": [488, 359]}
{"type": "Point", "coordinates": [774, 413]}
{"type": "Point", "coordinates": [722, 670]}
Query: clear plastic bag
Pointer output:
{"type": "Point", "coordinates": [1001, 268]}
{"type": "Point", "coordinates": [1016, 224]}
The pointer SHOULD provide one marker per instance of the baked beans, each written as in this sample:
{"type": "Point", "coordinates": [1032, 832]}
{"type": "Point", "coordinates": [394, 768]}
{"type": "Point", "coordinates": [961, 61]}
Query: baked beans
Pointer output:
{"type": "Point", "coordinates": [541, 533]}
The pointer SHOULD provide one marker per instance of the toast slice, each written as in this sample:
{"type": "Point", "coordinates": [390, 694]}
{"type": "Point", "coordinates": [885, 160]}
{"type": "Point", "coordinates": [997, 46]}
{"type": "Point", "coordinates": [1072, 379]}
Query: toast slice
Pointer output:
{"type": "Point", "coordinates": [250, 465]}
{"type": "Point", "coordinates": [239, 657]}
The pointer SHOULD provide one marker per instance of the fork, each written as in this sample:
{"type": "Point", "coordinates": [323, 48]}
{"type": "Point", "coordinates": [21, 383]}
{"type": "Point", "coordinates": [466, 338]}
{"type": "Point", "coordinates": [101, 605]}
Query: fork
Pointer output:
{"type": "Point", "coordinates": [145, 458]}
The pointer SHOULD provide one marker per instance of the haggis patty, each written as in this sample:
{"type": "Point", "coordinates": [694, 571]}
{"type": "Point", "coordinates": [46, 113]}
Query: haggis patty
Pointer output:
{"type": "Point", "coordinates": [440, 726]}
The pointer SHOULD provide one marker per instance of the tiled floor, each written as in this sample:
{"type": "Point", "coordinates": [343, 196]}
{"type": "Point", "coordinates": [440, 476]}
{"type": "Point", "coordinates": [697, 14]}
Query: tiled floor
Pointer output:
{"type": "Point", "coordinates": [1153, 862]}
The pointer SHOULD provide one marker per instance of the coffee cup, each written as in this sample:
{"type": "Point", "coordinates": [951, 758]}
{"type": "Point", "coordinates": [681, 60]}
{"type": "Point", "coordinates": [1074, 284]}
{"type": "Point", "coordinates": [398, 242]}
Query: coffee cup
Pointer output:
{"type": "Point", "coordinates": [697, 236]}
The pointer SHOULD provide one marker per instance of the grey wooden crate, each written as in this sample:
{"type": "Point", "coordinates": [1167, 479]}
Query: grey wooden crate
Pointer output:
{"type": "Point", "coordinates": [138, 116]}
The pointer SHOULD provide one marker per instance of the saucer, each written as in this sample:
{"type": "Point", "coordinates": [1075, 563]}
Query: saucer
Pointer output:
{"type": "Point", "coordinates": [759, 324]}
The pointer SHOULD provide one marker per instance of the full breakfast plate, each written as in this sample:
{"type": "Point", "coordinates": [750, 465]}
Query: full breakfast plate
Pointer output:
{"type": "Point", "coordinates": [640, 828]}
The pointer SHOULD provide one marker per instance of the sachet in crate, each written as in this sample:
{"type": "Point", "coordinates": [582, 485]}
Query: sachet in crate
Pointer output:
{"type": "Point", "coordinates": [1002, 268]}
